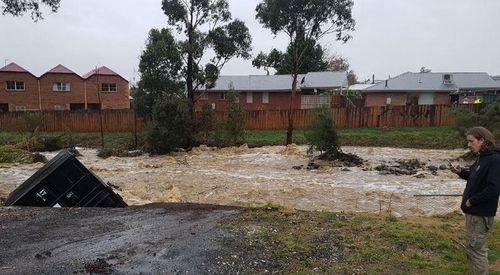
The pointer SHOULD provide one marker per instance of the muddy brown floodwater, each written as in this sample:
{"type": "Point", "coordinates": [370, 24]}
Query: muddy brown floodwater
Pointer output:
{"type": "Point", "coordinates": [242, 176]}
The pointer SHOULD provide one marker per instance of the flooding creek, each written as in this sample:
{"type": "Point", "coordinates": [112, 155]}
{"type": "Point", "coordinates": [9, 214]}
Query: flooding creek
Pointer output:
{"type": "Point", "coordinates": [242, 176]}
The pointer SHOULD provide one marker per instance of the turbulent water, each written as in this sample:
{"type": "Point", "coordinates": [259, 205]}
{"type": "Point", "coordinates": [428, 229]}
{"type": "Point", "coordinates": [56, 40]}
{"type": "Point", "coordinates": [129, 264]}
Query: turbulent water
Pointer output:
{"type": "Point", "coordinates": [254, 177]}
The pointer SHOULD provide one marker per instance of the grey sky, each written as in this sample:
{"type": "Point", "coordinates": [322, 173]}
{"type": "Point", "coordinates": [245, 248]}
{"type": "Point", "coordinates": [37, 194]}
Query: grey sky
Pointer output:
{"type": "Point", "coordinates": [391, 37]}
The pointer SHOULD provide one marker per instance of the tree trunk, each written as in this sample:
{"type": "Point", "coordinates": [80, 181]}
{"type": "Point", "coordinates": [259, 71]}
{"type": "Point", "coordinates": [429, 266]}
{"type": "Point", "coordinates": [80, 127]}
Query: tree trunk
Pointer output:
{"type": "Point", "coordinates": [189, 78]}
{"type": "Point", "coordinates": [291, 110]}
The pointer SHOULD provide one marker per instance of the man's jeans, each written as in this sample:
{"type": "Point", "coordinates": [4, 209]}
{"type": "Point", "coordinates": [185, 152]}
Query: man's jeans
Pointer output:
{"type": "Point", "coordinates": [475, 243]}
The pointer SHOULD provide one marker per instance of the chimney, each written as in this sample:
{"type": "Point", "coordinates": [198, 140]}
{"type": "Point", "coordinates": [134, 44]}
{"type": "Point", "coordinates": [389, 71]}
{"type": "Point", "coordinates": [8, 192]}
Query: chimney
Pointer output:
{"type": "Point", "coordinates": [373, 79]}
{"type": "Point", "coordinates": [386, 82]}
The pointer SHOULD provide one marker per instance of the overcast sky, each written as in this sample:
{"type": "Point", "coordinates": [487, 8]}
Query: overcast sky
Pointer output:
{"type": "Point", "coordinates": [391, 36]}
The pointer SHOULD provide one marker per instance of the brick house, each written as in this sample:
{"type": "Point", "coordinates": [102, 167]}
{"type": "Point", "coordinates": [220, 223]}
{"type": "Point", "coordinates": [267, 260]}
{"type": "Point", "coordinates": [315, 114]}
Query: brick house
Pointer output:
{"type": "Point", "coordinates": [61, 89]}
{"type": "Point", "coordinates": [272, 92]}
{"type": "Point", "coordinates": [426, 88]}
{"type": "Point", "coordinates": [19, 89]}
{"type": "Point", "coordinates": [110, 86]}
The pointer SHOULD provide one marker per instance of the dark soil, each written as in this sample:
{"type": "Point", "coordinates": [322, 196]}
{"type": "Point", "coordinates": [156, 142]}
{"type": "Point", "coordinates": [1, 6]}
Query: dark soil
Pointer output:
{"type": "Point", "coordinates": [342, 159]}
{"type": "Point", "coordinates": [152, 239]}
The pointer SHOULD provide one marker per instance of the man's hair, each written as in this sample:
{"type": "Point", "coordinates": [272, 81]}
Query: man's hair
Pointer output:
{"type": "Point", "coordinates": [485, 134]}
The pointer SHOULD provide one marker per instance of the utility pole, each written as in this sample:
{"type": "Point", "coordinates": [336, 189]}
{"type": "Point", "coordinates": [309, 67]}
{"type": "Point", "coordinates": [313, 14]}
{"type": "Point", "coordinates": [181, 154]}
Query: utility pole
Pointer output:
{"type": "Point", "coordinates": [100, 106]}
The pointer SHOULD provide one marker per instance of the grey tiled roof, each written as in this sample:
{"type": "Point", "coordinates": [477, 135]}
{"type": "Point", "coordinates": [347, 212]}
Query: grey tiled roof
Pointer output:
{"type": "Point", "coordinates": [281, 82]}
{"type": "Point", "coordinates": [434, 82]}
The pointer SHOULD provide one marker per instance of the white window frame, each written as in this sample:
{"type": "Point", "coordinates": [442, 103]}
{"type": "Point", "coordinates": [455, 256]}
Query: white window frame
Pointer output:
{"type": "Point", "coordinates": [61, 87]}
{"type": "Point", "coordinates": [109, 87]}
{"type": "Point", "coordinates": [60, 108]}
{"type": "Point", "coordinates": [265, 97]}
{"type": "Point", "coordinates": [18, 85]}
{"type": "Point", "coordinates": [20, 108]}
{"type": "Point", "coordinates": [388, 100]}
{"type": "Point", "coordinates": [249, 97]}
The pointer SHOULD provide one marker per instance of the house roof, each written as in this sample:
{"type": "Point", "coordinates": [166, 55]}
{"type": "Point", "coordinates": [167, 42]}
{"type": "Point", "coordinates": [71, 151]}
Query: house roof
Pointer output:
{"type": "Point", "coordinates": [359, 87]}
{"type": "Point", "coordinates": [59, 69]}
{"type": "Point", "coordinates": [13, 68]}
{"type": "Point", "coordinates": [434, 82]}
{"type": "Point", "coordinates": [103, 70]}
{"type": "Point", "coordinates": [280, 82]}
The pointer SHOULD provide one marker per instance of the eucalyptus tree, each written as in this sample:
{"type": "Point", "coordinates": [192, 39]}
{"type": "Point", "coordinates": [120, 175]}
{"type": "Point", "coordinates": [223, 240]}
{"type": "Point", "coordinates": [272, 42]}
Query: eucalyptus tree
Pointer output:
{"type": "Point", "coordinates": [20, 7]}
{"type": "Point", "coordinates": [206, 25]}
{"type": "Point", "coordinates": [160, 70]}
{"type": "Point", "coordinates": [314, 59]}
{"type": "Point", "coordinates": [305, 21]}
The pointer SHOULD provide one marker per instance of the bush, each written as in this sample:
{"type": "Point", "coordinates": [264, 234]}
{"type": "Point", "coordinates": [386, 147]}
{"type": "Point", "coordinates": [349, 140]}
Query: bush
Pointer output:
{"type": "Point", "coordinates": [9, 154]}
{"type": "Point", "coordinates": [488, 117]}
{"type": "Point", "coordinates": [321, 134]}
{"type": "Point", "coordinates": [171, 127]}
{"type": "Point", "coordinates": [235, 122]}
{"type": "Point", "coordinates": [31, 120]}
{"type": "Point", "coordinates": [206, 123]}
{"type": "Point", "coordinates": [52, 143]}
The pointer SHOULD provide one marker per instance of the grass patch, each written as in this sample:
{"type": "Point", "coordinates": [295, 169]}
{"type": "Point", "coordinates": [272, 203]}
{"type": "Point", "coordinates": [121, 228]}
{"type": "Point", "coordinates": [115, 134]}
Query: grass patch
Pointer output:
{"type": "Point", "coordinates": [10, 154]}
{"type": "Point", "coordinates": [414, 137]}
{"type": "Point", "coordinates": [298, 242]}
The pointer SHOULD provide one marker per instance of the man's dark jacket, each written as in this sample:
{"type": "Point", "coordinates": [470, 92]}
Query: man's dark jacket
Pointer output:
{"type": "Point", "coordinates": [483, 184]}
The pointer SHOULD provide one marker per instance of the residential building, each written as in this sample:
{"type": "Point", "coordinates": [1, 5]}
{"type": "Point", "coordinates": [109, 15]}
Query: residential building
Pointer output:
{"type": "Point", "coordinates": [61, 89]}
{"type": "Point", "coordinates": [427, 88]}
{"type": "Point", "coordinates": [273, 92]}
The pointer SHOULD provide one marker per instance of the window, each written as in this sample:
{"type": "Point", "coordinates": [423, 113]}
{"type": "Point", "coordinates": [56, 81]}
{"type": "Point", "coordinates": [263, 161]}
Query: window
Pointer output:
{"type": "Point", "coordinates": [61, 87]}
{"type": "Point", "coordinates": [14, 85]}
{"type": "Point", "coordinates": [20, 108]}
{"type": "Point", "coordinates": [249, 97]}
{"type": "Point", "coordinates": [265, 97]}
{"type": "Point", "coordinates": [223, 95]}
{"type": "Point", "coordinates": [108, 87]}
{"type": "Point", "coordinates": [388, 101]}
{"type": "Point", "coordinates": [59, 107]}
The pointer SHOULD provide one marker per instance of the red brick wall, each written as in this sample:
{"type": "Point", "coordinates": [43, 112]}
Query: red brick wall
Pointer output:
{"type": "Point", "coordinates": [28, 98]}
{"type": "Point", "coordinates": [277, 101]}
{"type": "Point", "coordinates": [35, 89]}
{"type": "Point", "coordinates": [441, 98]}
{"type": "Point", "coordinates": [109, 100]}
{"type": "Point", "coordinates": [51, 98]}
{"type": "Point", "coordinates": [379, 99]}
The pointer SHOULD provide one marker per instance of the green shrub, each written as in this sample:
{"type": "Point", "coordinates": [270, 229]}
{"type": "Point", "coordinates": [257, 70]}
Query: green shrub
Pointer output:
{"type": "Point", "coordinates": [52, 143]}
{"type": "Point", "coordinates": [31, 120]}
{"type": "Point", "coordinates": [235, 121]}
{"type": "Point", "coordinates": [171, 127]}
{"type": "Point", "coordinates": [206, 123]}
{"type": "Point", "coordinates": [321, 134]}
{"type": "Point", "coordinates": [488, 117]}
{"type": "Point", "coordinates": [10, 154]}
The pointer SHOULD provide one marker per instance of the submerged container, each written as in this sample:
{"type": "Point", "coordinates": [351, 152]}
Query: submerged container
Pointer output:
{"type": "Point", "coordinates": [64, 182]}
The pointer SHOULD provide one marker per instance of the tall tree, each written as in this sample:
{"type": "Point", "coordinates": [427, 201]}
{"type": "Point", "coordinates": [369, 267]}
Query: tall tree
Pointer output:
{"type": "Point", "coordinates": [160, 70]}
{"type": "Point", "coordinates": [313, 59]}
{"type": "Point", "coordinates": [206, 24]}
{"type": "Point", "coordinates": [339, 63]}
{"type": "Point", "coordinates": [20, 7]}
{"type": "Point", "coordinates": [305, 20]}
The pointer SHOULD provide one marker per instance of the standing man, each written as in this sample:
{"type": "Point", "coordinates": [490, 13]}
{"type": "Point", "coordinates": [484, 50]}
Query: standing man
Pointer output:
{"type": "Point", "coordinates": [480, 198]}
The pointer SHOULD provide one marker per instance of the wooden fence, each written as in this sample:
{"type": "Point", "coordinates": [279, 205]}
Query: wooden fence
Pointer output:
{"type": "Point", "coordinates": [126, 121]}
{"type": "Point", "coordinates": [57, 121]}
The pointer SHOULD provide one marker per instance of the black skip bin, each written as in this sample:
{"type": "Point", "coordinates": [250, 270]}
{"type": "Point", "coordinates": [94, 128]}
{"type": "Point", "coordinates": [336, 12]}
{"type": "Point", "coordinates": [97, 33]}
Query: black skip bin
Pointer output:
{"type": "Point", "coordinates": [64, 182]}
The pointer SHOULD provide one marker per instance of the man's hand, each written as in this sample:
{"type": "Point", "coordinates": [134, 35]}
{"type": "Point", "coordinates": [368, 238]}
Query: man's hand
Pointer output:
{"type": "Point", "coordinates": [467, 203]}
{"type": "Point", "coordinates": [455, 169]}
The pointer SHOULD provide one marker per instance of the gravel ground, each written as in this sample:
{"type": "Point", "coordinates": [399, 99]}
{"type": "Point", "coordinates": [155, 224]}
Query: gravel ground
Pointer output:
{"type": "Point", "coordinates": [151, 239]}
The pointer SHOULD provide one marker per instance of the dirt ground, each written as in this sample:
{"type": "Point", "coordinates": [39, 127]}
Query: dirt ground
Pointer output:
{"type": "Point", "coordinates": [153, 239]}
{"type": "Point", "coordinates": [242, 176]}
